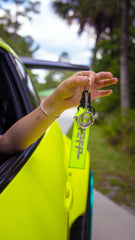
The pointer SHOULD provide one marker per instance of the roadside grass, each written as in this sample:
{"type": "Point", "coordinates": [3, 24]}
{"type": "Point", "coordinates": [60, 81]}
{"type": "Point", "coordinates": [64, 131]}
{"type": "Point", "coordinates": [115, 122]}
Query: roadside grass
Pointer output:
{"type": "Point", "coordinates": [114, 171]}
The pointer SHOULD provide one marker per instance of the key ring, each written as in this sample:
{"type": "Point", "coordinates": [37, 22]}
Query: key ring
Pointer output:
{"type": "Point", "coordinates": [86, 119]}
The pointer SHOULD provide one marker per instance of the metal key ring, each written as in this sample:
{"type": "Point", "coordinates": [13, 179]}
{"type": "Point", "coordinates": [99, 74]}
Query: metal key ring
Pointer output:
{"type": "Point", "coordinates": [86, 119]}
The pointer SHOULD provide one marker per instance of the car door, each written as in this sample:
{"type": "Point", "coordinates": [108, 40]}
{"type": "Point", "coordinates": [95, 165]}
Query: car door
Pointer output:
{"type": "Point", "coordinates": [32, 182]}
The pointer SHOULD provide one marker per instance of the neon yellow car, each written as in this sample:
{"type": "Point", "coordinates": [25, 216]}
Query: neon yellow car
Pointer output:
{"type": "Point", "coordinates": [41, 197]}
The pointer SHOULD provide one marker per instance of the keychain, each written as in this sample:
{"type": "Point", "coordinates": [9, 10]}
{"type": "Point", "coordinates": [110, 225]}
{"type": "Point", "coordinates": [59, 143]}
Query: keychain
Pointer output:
{"type": "Point", "coordinates": [84, 118]}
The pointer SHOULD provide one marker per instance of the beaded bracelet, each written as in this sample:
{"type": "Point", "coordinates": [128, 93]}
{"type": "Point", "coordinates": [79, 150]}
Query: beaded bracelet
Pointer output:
{"type": "Point", "coordinates": [46, 113]}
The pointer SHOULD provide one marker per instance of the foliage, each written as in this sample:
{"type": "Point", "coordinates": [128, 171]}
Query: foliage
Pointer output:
{"type": "Point", "coordinates": [109, 50]}
{"type": "Point", "coordinates": [64, 57]}
{"type": "Point", "coordinates": [52, 79]}
{"type": "Point", "coordinates": [10, 24]}
{"type": "Point", "coordinates": [23, 9]}
{"type": "Point", "coordinates": [119, 130]}
{"type": "Point", "coordinates": [23, 46]}
{"type": "Point", "coordinates": [55, 77]}
{"type": "Point", "coordinates": [87, 12]}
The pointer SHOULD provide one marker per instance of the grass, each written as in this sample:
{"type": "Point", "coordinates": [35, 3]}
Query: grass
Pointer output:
{"type": "Point", "coordinates": [114, 171]}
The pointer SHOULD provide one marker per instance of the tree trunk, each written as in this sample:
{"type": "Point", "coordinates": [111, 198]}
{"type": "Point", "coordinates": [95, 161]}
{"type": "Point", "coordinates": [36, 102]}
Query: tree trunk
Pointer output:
{"type": "Point", "coordinates": [94, 59]}
{"type": "Point", "coordinates": [15, 26]}
{"type": "Point", "coordinates": [124, 76]}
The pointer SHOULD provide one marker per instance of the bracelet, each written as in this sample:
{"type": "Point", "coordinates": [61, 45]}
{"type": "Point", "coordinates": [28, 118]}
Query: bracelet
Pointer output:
{"type": "Point", "coordinates": [46, 113]}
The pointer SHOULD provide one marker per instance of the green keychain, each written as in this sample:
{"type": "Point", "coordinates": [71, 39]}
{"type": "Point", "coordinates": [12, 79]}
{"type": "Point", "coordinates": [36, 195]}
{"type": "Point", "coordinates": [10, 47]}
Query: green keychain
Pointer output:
{"type": "Point", "coordinates": [84, 118]}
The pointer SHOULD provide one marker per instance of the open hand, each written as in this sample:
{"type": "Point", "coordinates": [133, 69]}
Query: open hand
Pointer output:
{"type": "Point", "coordinates": [68, 93]}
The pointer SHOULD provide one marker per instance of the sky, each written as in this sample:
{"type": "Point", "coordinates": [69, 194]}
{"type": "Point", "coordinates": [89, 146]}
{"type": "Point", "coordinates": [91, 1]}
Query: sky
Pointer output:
{"type": "Point", "coordinates": [55, 36]}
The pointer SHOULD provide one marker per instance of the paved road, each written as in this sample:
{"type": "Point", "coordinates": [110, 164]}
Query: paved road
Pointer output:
{"type": "Point", "coordinates": [110, 221]}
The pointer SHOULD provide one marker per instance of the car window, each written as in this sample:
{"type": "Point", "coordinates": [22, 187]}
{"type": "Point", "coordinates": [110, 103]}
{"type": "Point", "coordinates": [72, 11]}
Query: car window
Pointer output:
{"type": "Point", "coordinates": [17, 98]}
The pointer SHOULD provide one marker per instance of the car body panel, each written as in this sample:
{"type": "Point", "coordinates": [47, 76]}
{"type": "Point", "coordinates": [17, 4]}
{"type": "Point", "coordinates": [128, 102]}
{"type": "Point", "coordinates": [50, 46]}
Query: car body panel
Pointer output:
{"type": "Point", "coordinates": [32, 205]}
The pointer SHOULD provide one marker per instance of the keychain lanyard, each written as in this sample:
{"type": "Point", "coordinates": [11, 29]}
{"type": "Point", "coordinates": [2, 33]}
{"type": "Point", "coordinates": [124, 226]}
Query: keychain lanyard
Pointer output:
{"type": "Point", "coordinates": [84, 118]}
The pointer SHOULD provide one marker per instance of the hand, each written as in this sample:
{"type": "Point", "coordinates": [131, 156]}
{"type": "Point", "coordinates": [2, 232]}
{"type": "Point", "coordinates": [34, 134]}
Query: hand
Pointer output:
{"type": "Point", "coordinates": [100, 80]}
{"type": "Point", "coordinates": [69, 92]}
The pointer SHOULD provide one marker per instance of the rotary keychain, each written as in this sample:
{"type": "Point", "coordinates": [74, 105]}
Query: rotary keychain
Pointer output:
{"type": "Point", "coordinates": [84, 118]}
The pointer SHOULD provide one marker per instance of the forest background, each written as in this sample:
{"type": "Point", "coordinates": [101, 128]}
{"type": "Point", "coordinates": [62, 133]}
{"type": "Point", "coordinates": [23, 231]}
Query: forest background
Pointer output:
{"type": "Point", "coordinates": [113, 22]}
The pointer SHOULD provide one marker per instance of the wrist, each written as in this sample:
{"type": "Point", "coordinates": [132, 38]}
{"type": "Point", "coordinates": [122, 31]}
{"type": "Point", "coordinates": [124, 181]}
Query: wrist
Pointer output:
{"type": "Point", "coordinates": [46, 113]}
{"type": "Point", "coordinates": [50, 108]}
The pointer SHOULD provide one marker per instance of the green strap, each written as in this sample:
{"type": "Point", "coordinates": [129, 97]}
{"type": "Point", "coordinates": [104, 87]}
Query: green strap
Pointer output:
{"type": "Point", "coordinates": [78, 144]}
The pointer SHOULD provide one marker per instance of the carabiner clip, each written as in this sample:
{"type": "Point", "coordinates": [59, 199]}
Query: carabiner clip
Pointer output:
{"type": "Point", "coordinates": [86, 100]}
{"type": "Point", "coordinates": [83, 101]}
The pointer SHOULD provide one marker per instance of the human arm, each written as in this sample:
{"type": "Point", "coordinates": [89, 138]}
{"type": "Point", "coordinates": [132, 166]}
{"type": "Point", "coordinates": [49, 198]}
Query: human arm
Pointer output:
{"type": "Point", "coordinates": [68, 94]}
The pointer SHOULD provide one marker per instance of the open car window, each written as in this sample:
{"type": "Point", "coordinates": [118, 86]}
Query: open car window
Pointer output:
{"type": "Point", "coordinates": [17, 98]}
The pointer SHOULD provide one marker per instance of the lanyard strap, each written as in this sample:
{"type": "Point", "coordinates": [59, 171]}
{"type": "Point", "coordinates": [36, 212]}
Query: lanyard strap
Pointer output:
{"type": "Point", "coordinates": [84, 117]}
{"type": "Point", "coordinates": [78, 144]}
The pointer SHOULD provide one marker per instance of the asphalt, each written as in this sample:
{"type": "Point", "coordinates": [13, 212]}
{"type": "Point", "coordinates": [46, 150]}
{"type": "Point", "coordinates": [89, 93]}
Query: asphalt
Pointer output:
{"type": "Point", "coordinates": [110, 221]}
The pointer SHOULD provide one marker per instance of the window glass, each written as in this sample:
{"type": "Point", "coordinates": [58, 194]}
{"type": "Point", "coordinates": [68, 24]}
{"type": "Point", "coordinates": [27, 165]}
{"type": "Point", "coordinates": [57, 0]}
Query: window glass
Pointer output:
{"type": "Point", "coordinates": [7, 112]}
{"type": "Point", "coordinates": [28, 83]}
{"type": "Point", "coordinates": [20, 69]}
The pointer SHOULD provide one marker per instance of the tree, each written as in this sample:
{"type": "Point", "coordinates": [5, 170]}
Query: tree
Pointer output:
{"type": "Point", "coordinates": [88, 14]}
{"type": "Point", "coordinates": [124, 75]}
{"type": "Point", "coordinates": [10, 24]}
{"type": "Point", "coordinates": [23, 8]}
{"type": "Point", "coordinates": [64, 57]}
{"type": "Point", "coordinates": [24, 45]}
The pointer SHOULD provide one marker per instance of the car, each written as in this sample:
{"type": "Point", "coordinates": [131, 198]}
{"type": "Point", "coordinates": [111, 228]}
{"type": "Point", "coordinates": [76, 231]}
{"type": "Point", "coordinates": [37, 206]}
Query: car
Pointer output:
{"type": "Point", "coordinates": [41, 196]}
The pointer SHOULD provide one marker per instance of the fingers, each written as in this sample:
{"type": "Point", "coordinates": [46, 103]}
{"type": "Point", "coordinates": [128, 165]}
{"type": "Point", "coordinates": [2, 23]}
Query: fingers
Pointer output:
{"type": "Point", "coordinates": [105, 83]}
{"type": "Point", "coordinates": [102, 93]}
{"type": "Point", "coordinates": [83, 73]}
{"type": "Point", "coordinates": [95, 77]}
{"type": "Point", "coordinates": [76, 81]}
{"type": "Point", "coordinates": [103, 75]}
{"type": "Point", "coordinates": [91, 76]}
{"type": "Point", "coordinates": [99, 80]}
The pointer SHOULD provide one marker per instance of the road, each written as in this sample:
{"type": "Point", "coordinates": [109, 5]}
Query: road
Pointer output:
{"type": "Point", "coordinates": [110, 221]}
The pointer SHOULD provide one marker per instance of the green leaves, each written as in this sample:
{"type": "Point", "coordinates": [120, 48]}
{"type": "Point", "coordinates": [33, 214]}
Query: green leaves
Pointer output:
{"type": "Point", "coordinates": [11, 20]}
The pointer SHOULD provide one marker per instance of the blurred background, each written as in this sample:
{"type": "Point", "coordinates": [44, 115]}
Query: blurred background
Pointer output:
{"type": "Point", "coordinates": [100, 34]}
